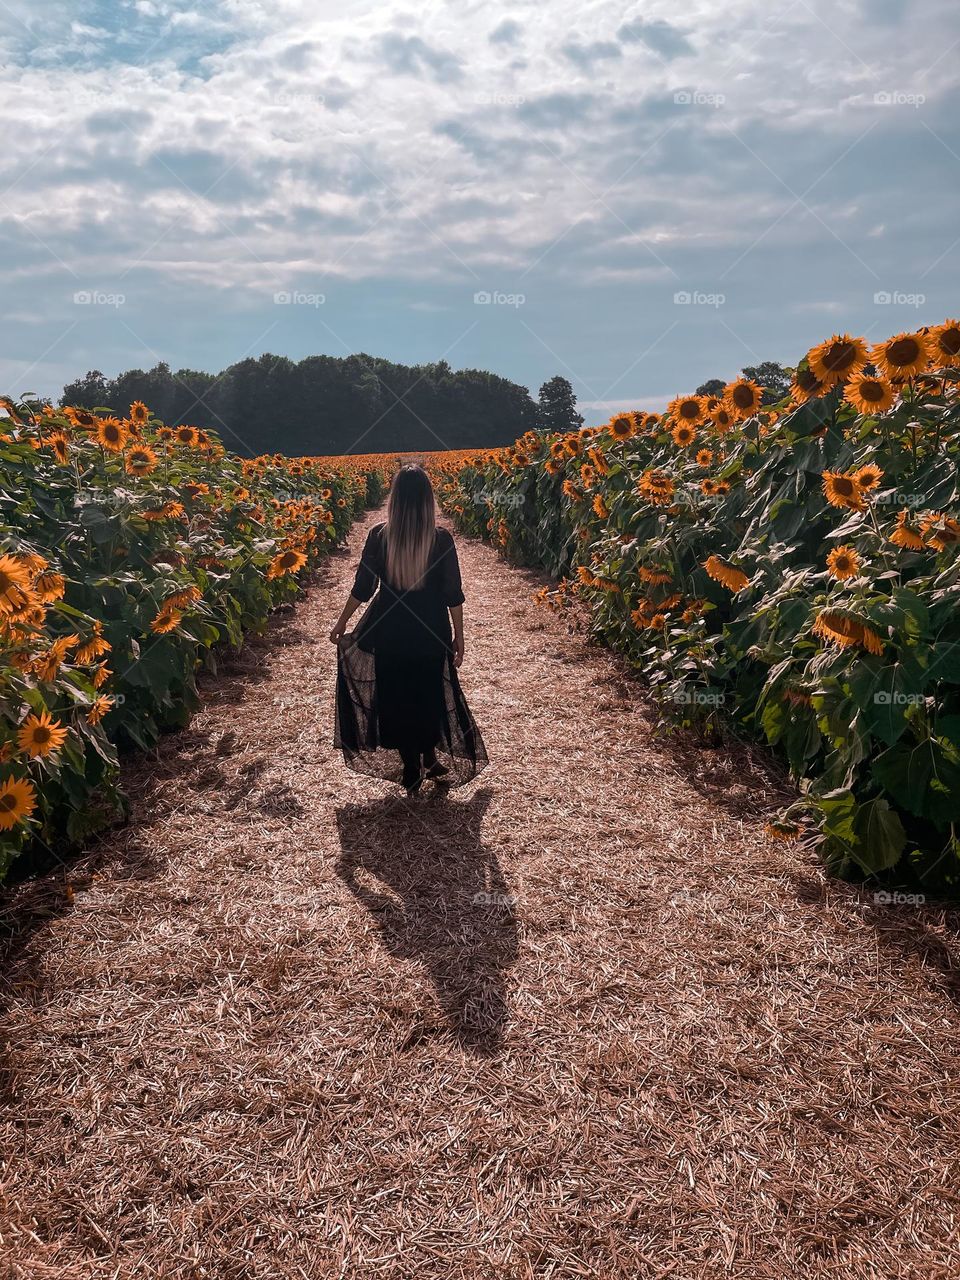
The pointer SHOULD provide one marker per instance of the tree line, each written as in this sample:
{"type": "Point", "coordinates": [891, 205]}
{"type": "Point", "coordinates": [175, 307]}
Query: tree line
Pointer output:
{"type": "Point", "coordinates": [325, 404]}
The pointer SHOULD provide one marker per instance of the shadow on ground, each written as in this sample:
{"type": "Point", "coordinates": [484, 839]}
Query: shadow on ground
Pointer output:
{"type": "Point", "coordinates": [438, 896]}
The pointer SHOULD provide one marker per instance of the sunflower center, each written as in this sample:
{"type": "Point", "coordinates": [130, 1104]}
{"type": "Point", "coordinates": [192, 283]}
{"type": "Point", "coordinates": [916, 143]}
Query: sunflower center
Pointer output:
{"type": "Point", "coordinates": [903, 352]}
{"type": "Point", "coordinates": [807, 381]}
{"type": "Point", "coordinates": [743, 397]}
{"type": "Point", "coordinates": [8, 802]}
{"type": "Point", "coordinates": [689, 409]}
{"type": "Point", "coordinates": [872, 391]}
{"type": "Point", "coordinates": [41, 735]}
{"type": "Point", "coordinates": [844, 486]}
{"type": "Point", "coordinates": [840, 356]}
{"type": "Point", "coordinates": [950, 342]}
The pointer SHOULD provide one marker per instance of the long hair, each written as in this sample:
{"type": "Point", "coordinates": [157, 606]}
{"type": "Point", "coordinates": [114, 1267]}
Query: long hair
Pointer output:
{"type": "Point", "coordinates": [411, 527]}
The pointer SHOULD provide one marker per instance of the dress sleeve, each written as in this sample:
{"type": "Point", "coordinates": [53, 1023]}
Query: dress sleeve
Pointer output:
{"type": "Point", "coordinates": [368, 571]}
{"type": "Point", "coordinates": [450, 583]}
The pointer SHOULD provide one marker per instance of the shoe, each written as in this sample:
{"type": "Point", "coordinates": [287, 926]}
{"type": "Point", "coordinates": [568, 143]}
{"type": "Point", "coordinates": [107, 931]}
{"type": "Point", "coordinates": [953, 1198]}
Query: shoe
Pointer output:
{"type": "Point", "coordinates": [412, 784]}
{"type": "Point", "coordinates": [437, 772]}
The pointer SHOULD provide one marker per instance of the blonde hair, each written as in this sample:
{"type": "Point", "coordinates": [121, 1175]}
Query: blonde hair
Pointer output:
{"type": "Point", "coordinates": [411, 527]}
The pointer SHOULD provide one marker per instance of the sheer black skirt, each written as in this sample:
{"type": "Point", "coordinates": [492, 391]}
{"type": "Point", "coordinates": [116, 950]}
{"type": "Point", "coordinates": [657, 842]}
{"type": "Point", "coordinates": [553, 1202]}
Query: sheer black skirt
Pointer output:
{"type": "Point", "coordinates": [392, 706]}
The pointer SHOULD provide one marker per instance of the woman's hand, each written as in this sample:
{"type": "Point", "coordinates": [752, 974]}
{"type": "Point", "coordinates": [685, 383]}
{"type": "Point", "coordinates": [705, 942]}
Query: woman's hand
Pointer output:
{"type": "Point", "coordinates": [458, 651]}
{"type": "Point", "coordinates": [336, 635]}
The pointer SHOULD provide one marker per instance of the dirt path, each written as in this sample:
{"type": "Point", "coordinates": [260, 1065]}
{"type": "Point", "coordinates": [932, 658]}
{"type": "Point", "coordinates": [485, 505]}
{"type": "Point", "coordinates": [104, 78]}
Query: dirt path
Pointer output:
{"type": "Point", "coordinates": [580, 1019]}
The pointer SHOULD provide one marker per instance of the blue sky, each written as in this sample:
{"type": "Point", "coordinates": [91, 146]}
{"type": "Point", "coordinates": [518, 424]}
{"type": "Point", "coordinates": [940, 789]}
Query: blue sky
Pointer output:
{"type": "Point", "coordinates": [638, 196]}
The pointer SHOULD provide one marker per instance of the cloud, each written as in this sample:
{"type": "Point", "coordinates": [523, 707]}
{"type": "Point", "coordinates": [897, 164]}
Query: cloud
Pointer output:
{"type": "Point", "coordinates": [506, 32]}
{"type": "Point", "coordinates": [657, 35]}
{"type": "Point", "coordinates": [585, 55]}
{"type": "Point", "coordinates": [197, 158]}
{"type": "Point", "coordinates": [412, 56]}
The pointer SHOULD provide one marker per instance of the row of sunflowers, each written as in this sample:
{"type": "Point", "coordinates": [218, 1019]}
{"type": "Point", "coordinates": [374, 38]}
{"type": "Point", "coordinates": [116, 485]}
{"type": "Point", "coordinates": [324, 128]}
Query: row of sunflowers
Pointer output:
{"type": "Point", "coordinates": [789, 570]}
{"type": "Point", "coordinates": [131, 552]}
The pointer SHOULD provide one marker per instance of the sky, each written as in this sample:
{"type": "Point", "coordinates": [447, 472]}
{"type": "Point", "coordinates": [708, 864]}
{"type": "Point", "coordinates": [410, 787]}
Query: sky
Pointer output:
{"type": "Point", "coordinates": [636, 196]}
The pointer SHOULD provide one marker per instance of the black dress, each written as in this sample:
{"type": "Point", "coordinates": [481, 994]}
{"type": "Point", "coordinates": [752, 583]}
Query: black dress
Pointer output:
{"type": "Point", "coordinates": [398, 693]}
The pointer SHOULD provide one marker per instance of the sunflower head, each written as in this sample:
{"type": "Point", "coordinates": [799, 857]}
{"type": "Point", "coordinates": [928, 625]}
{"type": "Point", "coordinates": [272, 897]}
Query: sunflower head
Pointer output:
{"type": "Point", "coordinates": [870, 395]}
{"type": "Point", "coordinates": [837, 359]}
{"type": "Point", "coordinates": [684, 435]}
{"type": "Point", "coordinates": [139, 413]}
{"type": "Point", "coordinates": [843, 563]}
{"type": "Point", "coordinates": [842, 490]}
{"type": "Point", "coordinates": [902, 355]}
{"type": "Point", "coordinates": [686, 409]}
{"type": "Point", "coordinates": [944, 342]}
{"type": "Point", "coordinates": [742, 398]}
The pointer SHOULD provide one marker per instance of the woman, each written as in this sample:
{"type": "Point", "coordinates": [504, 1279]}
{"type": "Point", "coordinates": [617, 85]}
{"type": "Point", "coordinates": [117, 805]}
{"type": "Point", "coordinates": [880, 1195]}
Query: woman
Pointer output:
{"type": "Point", "coordinates": [401, 714]}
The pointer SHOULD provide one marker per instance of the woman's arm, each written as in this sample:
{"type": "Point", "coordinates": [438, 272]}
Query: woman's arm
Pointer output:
{"type": "Point", "coordinates": [364, 585]}
{"type": "Point", "coordinates": [349, 609]}
{"type": "Point", "coordinates": [456, 616]}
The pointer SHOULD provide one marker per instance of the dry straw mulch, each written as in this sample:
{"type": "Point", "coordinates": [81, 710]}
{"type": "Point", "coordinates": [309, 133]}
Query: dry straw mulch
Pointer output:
{"type": "Point", "coordinates": [581, 1019]}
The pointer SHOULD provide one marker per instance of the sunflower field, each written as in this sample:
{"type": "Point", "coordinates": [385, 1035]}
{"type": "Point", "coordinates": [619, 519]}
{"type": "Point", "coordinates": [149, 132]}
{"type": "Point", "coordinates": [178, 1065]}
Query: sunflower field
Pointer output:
{"type": "Point", "coordinates": [791, 570]}
{"type": "Point", "coordinates": [131, 552]}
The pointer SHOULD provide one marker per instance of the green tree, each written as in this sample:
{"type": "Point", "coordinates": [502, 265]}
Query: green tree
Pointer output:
{"type": "Point", "coordinates": [557, 407]}
{"type": "Point", "coordinates": [772, 377]}
{"type": "Point", "coordinates": [712, 387]}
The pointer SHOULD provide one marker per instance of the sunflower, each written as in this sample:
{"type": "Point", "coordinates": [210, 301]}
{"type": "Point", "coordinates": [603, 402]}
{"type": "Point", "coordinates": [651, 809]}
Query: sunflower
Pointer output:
{"type": "Point", "coordinates": [843, 563]}
{"type": "Point", "coordinates": [686, 409]}
{"type": "Point", "coordinates": [99, 709]}
{"type": "Point", "coordinates": [781, 830]}
{"type": "Point", "coordinates": [59, 442]}
{"type": "Point", "coordinates": [846, 632]}
{"type": "Point", "coordinates": [693, 611]}
{"type": "Point", "coordinates": [166, 620]}
{"type": "Point", "coordinates": [742, 398]}
{"type": "Point", "coordinates": [46, 666]}
{"type": "Point", "coordinates": [683, 435]}
{"type": "Point", "coordinates": [806, 386]}
{"type": "Point", "coordinates": [704, 457]}
{"type": "Point", "coordinates": [93, 648]}
{"type": "Point", "coordinates": [185, 435]}
{"type": "Point", "coordinates": [139, 413]}
{"type": "Point", "coordinates": [40, 735]}
{"type": "Point", "coordinates": [733, 579]}
{"type": "Point", "coordinates": [906, 536]}
{"type": "Point", "coordinates": [112, 434]}
{"type": "Point", "coordinates": [286, 562]}
{"type": "Point", "coordinates": [600, 507]}
{"type": "Point", "coordinates": [571, 491]}
{"type": "Point", "coordinates": [141, 460]}
{"type": "Point", "coordinates": [621, 426]}
{"type": "Point", "coordinates": [82, 419]}
{"type": "Point", "coordinates": [50, 586]}
{"type": "Point", "coordinates": [182, 599]}
{"type": "Point", "coordinates": [709, 487]}
{"type": "Point", "coordinates": [903, 355]}
{"type": "Point", "coordinates": [18, 799]}
{"type": "Point", "coordinates": [842, 490]}
{"type": "Point", "coordinates": [14, 584]}
{"type": "Point", "coordinates": [552, 466]}
{"type": "Point", "coordinates": [657, 487]}
{"type": "Point", "coordinates": [944, 342]}
{"type": "Point", "coordinates": [868, 477]}
{"type": "Point", "coordinates": [558, 449]}
{"type": "Point", "coordinates": [587, 475]}
{"type": "Point", "coordinates": [941, 531]}
{"type": "Point", "coordinates": [839, 358]}
{"type": "Point", "coordinates": [869, 395]}
{"type": "Point", "coordinates": [722, 419]}
{"type": "Point", "coordinates": [656, 577]}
